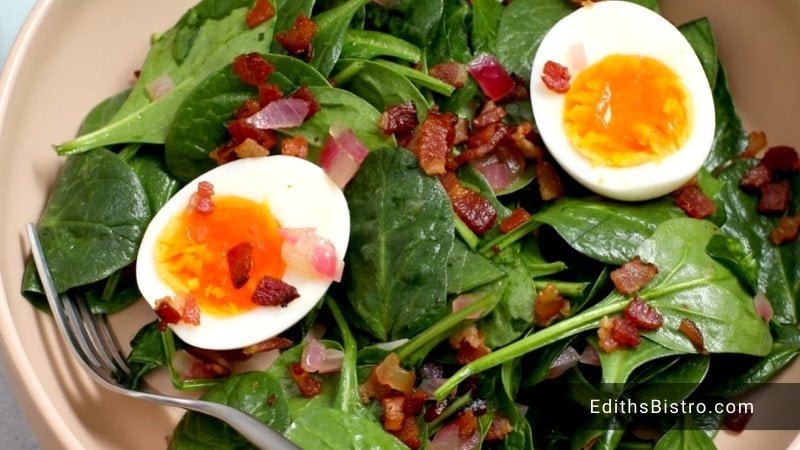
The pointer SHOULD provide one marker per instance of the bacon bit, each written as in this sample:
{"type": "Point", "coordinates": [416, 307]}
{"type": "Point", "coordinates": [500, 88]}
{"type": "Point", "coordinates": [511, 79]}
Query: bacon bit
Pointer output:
{"type": "Point", "coordinates": [399, 119]}
{"type": "Point", "coordinates": [633, 275]}
{"type": "Point", "coordinates": [433, 139]}
{"type": "Point", "coordinates": [389, 373]}
{"type": "Point", "coordinates": [296, 146]}
{"type": "Point", "coordinates": [756, 141]}
{"type": "Point", "coordinates": [393, 415]}
{"type": "Point", "coordinates": [191, 311]}
{"type": "Point", "coordinates": [181, 308]}
{"type": "Point", "coordinates": [462, 131]}
{"type": "Point", "coordinates": [308, 385]}
{"type": "Point", "coordinates": [409, 433]}
{"type": "Point", "coordinates": [469, 344]}
{"type": "Point", "coordinates": [274, 343]}
{"type": "Point", "coordinates": [247, 109]}
{"type": "Point", "coordinates": [224, 153]}
{"type": "Point", "coordinates": [483, 142]}
{"type": "Point", "coordinates": [304, 93]}
{"type": "Point", "coordinates": [521, 140]}
{"type": "Point", "coordinates": [475, 210]}
{"type": "Point", "coordinates": [490, 113]}
{"type": "Point", "coordinates": [605, 340]}
{"type": "Point", "coordinates": [240, 130]}
{"type": "Point", "coordinates": [453, 73]}
{"type": "Point", "coordinates": [693, 201]}
{"type": "Point", "coordinates": [415, 402]}
{"type": "Point", "coordinates": [548, 306]}
{"type": "Point", "coordinates": [643, 315]}
{"type": "Point", "coordinates": [274, 292]}
{"type": "Point", "coordinates": [625, 333]}
{"type": "Point", "coordinates": [775, 198]}
{"type": "Point", "coordinates": [201, 201]}
{"type": "Point", "coordinates": [467, 424]}
{"type": "Point", "coordinates": [756, 178]}
{"type": "Point", "coordinates": [240, 262]}
{"type": "Point", "coordinates": [690, 330]}
{"type": "Point", "coordinates": [781, 158]}
{"type": "Point", "coordinates": [787, 230]}
{"type": "Point", "coordinates": [267, 93]}
{"type": "Point", "coordinates": [297, 40]}
{"type": "Point", "coordinates": [250, 149]}
{"type": "Point", "coordinates": [550, 185]}
{"type": "Point", "coordinates": [556, 77]}
{"type": "Point", "coordinates": [166, 312]}
{"type": "Point", "coordinates": [499, 429]}
{"type": "Point", "coordinates": [261, 12]}
{"type": "Point", "coordinates": [518, 217]}
{"type": "Point", "coordinates": [252, 68]}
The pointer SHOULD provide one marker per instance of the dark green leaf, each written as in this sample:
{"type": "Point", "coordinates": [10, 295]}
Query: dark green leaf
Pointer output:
{"type": "Point", "coordinates": [383, 87]}
{"type": "Point", "coordinates": [329, 38]}
{"type": "Point", "coordinates": [451, 41]}
{"type": "Point", "coordinates": [329, 429]}
{"type": "Point", "coordinates": [683, 437]}
{"type": "Point", "coordinates": [675, 383]}
{"type": "Point", "coordinates": [368, 44]}
{"type": "Point", "coordinates": [485, 20]}
{"type": "Point", "coordinates": [103, 112]}
{"type": "Point", "coordinates": [733, 254]}
{"type": "Point", "coordinates": [467, 270]}
{"type": "Point", "coordinates": [158, 185]}
{"type": "Point", "coordinates": [698, 33]}
{"type": "Point", "coordinates": [147, 353]}
{"type": "Point", "coordinates": [401, 237]}
{"type": "Point", "coordinates": [407, 19]}
{"type": "Point", "coordinates": [782, 354]}
{"type": "Point", "coordinates": [619, 365]}
{"type": "Point", "coordinates": [514, 314]}
{"type": "Point", "coordinates": [730, 138]}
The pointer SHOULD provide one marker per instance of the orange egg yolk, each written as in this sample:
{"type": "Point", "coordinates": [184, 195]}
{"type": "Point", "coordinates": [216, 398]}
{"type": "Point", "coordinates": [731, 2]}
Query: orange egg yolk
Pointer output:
{"type": "Point", "coordinates": [191, 253]}
{"type": "Point", "coordinates": [626, 110]}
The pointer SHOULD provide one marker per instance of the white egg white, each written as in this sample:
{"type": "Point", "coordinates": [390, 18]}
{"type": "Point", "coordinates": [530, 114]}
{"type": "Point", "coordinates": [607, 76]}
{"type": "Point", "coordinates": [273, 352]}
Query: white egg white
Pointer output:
{"type": "Point", "coordinates": [620, 27]}
{"type": "Point", "coordinates": [299, 195]}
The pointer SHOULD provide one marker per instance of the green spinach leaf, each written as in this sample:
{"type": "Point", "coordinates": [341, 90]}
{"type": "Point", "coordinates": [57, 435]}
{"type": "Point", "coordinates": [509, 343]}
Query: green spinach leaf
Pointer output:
{"type": "Point", "coordinates": [103, 112]}
{"type": "Point", "coordinates": [467, 270]}
{"type": "Point", "coordinates": [329, 38]}
{"type": "Point", "coordinates": [383, 87]}
{"type": "Point", "coordinates": [287, 11]}
{"type": "Point", "coordinates": [407, 19]}
{"type": "Point", "coordinates": [698, 33]}
{"type": "Point", "coordinates": [451, 41]}
{"type": "Point", "coordinates": [401, 237]}
{"type": "Point", "coordinates": [685, 437]}
{"type": "Point", "coordinates": [158, 185]}
{"type": "Point", "coordinates": [619, 365]}
{"type": "Point", "coordinates": [147, 353]}
{"type": "Point", "coordinates": [368, 44]}
{"type": "Point", "coordinates": [485, 20]}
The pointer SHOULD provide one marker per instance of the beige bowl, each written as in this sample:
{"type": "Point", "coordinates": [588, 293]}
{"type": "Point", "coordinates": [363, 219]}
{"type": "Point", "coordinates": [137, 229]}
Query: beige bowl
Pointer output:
{"type": "Point", "coordinates": [72, 54]}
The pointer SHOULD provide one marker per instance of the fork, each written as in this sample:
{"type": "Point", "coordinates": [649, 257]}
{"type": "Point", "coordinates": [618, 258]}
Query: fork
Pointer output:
{"type": "Point", "coordinates": [98, 352]}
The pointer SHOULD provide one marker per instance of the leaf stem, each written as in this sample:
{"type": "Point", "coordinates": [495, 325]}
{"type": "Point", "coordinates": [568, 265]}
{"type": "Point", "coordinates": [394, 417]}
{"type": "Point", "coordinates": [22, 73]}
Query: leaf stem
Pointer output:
{"type": "Point", "coordinates": [448, 412]}
{"type": "Point", "coordinates": [347, 398]}
{"type": "Point", "coordinates": [347, 73]}
{"type": "Point", "coordinates": [168, 340]}
{"type": "Point", "coordinates": [470, 238]}
{"type": "Point", "coordinates": [503, 241]}
{"type": "Point", "coordinates": [569, 327]}
{"type": "Point", "coordinates": [419, 77]}
{"type": "Point", "coordinates": [570, 289]}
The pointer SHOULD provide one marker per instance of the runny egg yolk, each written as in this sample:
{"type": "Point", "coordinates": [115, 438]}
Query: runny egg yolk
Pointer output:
{"type": "Point", "coordinates": [626, 110]}
{"type": "Point", "coordinates": [191, 253]}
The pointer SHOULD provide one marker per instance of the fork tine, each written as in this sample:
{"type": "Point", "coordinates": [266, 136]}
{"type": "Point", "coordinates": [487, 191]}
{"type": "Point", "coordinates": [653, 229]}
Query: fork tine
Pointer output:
{"type": "Point", "coordinates": [90, 331]}
{"type": "Point", "coordinates": [106, 342]}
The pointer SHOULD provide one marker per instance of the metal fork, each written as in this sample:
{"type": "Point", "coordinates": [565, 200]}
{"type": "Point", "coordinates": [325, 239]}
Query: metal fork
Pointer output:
{"type": "Point", "coordinates": [97, 351]}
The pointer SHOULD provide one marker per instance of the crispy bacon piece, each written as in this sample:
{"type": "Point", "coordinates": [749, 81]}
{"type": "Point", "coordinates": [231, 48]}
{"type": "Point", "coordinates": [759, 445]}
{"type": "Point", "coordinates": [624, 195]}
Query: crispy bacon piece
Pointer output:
{"type": "Point", "coordinates": [201, 201]}
{"type": "Point", "coordinates": [181, 308]}
{"type": "Point", "coordinates": [775, 198]}
{"type": "Point", "coordinates": [472, 208]}
{"type": "Point", "coordinates": [467, 424]}
{"type": "Point", "coordinates": [518, 217]}
{"type": "Point", "coordinates": [393, 412]}
{"type": "Point", "coordinates": [550, 184]}
{"type": "Point", "coordinates": [781, 158]}
{"type": "Point", "coordinates": [522, 138]}
{"type": "Point", "coordinates": [296, 146]}
{"type": "Point", "coordinates": [250, 149]}
{"type": "Point", "coordinates": [452, 72]}
{"type": "Point", "coordinates": [625, 333]}
{"type": "Point", "coordinates": [274, 343]}
{"type": "Point", "coordinates": [297, 40]}
{"type": "Point", "coordinates": [399, 119]}
{"type": "Point", "coordinates": [308, 385]}
{"type": "Point", "coordinates": [247, 109]}
{"type": "Point", "coordinates": [756, 178]}
{"type": "Point", "coordinates": [787, 230]}
{"type": "Point", "coordinates": [556, 77]}
{"type": "Point", "coordinates": [267, 93]}
{"type": "Point", "coordinates": [490, 113]}
{"type": "Point", "coordinates": [304, 93]}
{"type": "Point", "coordinates": [644, 316]}
{"type": "Point", "coordinates": [240, 130]}
{"type": "Point", "coordinates": [548, 306]}
{"type": "Point", "coordinates": [633, 275]}
{"type": "Point", "coordinates": [469, 345]}
{"type": "Point", "coordinates": [191, 311]}
{"type": "Point", "coordinates": [252, 68]}
{"type": "Point", "coordinates": [604, 338]}
{"type": "Point", "coordinates": [166, 312]}
{"type": "Point", "coordinates": [433, 139]}
{"type": "Point", "coordinates": [693, 201]}
{"type": "Point", "coordinates": [483, 142]}
{"type": "Point", "coordinates": [520, 91]}
{"type": "Point", "coordinates": [409, 432]}
{"type": "Point", "coordinates": [240, 262]}
{"type": "Point", "coordinates": [274, 292]}
{"type": "Point", "coordinates": [499, 428]}
{"type": "Point", "coordinates": [690, 330]}
{"type": "Point", "coordinates": [261, 12]}
{"type": "Point", "coordinates": [462, 131]}
{"type": "Point", "coordinates": [756, 141]}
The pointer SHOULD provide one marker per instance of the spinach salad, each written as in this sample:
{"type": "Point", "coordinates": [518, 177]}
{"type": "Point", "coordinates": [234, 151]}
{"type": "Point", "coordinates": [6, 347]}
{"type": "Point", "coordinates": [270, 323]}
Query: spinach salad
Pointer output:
{"type": "Point", "coordinates": [454, 329]}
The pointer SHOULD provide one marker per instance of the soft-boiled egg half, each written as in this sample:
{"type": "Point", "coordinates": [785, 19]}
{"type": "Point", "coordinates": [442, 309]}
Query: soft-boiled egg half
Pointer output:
{"type": "Point", "coordinates": [260, 205]}
{"type": "Point", "coordinates": [638, 119]}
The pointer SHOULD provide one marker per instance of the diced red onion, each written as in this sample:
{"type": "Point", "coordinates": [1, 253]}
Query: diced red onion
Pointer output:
{"type": "Point", "coordinates": [342, 155]}
{"type": "Point", "coordinates": [160, 87]}
{"type": "Point", "coordinates": [430, 385]}
{"type": "Point", "coordinates": [500, 168]}
{"type": "Point", "coordinates": [283, 113]}
{"type": "Point", "coordinates": [448, 438]}
{"type": "Point", "coordinates": [318, 358]}
{"type": "Point", "coordinates": [491, 76]}
{"type": "Point", "coordinates": [464, 300]}
{"type": "Point", "coordinates": [391, 345]}
{"type": "Point", "coordinates": [565, 361]}
{"type": "Point", "coordinates": [763, 306]}
{"type": "Point", "coordinates": [260, 361]}
{"type": "Point", "coordinates": [589, 356]}
{"type": "Point", "coordinates": [333, 361]}
{"type": "Point", "coordinates": [316, 332]}
{"type": "Point", "coordinates": [310, 254]}
{"type": "Point", "coordinates": [577, 57]}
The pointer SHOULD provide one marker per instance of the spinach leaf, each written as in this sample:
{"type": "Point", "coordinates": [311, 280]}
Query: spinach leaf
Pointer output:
{"type": "Point", "coordinates": [605, 230]}
{"type": "Point", "coordinates": [419, 77]}
{"type": "Point", "coordinates": [451, 41]}
{"type": "Point", "coordinates": [103, 112]}
{"type": "Point", "coordinates": [287, 11]}
{"type": "Point", "coordinates": [401, 237]}
{"type": "Point", "coordinates": [676, 383]}
{"type": "Point", "coordinates": [368, 44]}
{"type": "Point", "coordinates": [778, 275]}
{"type": "Point", "coordinates": [698, 33]}
{"type": "Point", "coordinates": [147, 353]}
{"type": "Point", "coordinates": [522, 27]}
{"type": "Point", "coordinates": [256, 393]}
{"type": "Point", "coordinates": [685, 437]}
{"type": "Point", "coordinates": [97, 208]}
{"type": "Point", "coordinates": [412, 20]}
{"type": "Point", "coordinates": [383, 87]}
{"type": "Point", "coordinates": [296, 401]}
{"type": "Point", "coordinates": [102, 301]}
{"type": "Point", "coordinates": [649, 4]}
{"type": "Point", "coordinates": [782, 354]}
{"type": "Point", "coordinates": [215, 44]}
{"type": "Point", "coordinates": [619, 365]}
{"type": "Point", "coordinates": [733, 254]}
{"type": "Point", "coordinates": [467, 270]}
{"type": "Point", "coordinates": [540, 362]}
{"type": "Point", "coordinates": [329, 38]}
{"type": "Point", "coordinates": [485, 20]}
{"type": "Point", "coordinates": [188, 27]}
{"type": "Point", "coordinates": [158, 185]}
